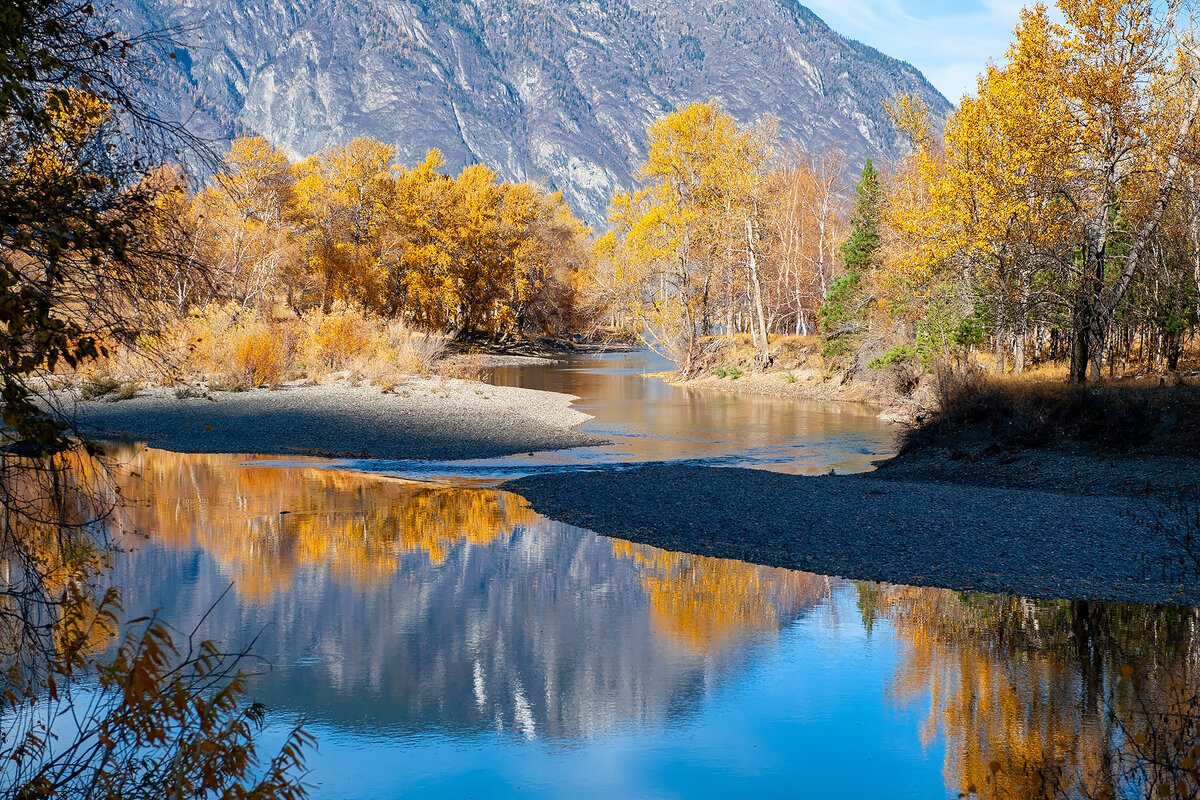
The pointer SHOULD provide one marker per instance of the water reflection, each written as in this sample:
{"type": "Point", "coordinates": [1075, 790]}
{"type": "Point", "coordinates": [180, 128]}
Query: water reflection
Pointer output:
{"type": "Point", "coordinates": [1033, 693]}
{"type": "Point", "coordinates": [262, 525]}
{"type": "Point", "coordinates": [713, 603]}
{"type": "Point", "coordinates": [649, 420]}
{"type": "Point", "coordinates": [423, 607]}
{"type": "Point", "coordinates": [436, 637]}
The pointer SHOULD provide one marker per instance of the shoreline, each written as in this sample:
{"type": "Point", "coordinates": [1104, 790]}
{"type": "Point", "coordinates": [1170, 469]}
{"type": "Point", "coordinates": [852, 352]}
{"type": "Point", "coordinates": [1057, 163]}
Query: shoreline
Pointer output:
{"type": "Point", "coordinates": [813, 386]}
{"type": "Point", "coordinates": [1015, 525]}
{"type": "Point", "coordinates": [1080, 524]}
{"type": "Point", "coordinates": [773, 384]}
{"type": "Point", "coordinates": [428, 419]}
{"type": "Point", "coordinates": [526, 353]}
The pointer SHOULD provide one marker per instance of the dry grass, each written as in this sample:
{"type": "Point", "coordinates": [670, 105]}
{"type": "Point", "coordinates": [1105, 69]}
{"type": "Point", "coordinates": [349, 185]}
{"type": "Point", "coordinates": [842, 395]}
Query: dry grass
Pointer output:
{"type": "Point", "coordinates": [1023, 412]}
{"type": "Point", "coordinates": [374, 349]}
{"type": "Point", "coordinates": [787, 352]}
{"type": "Point", "coordinates": [416, 353]}
{"type": "Point", "coordinates": [794, 351]}
{"type": "Point", "coordinates": [231, 349]}
{"type": "Point", "coordinates": [467, 367]}
{"type": "Point", "coordinates": [259, 356]}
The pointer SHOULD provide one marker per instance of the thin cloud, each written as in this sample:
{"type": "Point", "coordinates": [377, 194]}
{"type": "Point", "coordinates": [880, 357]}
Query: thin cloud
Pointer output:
{"type": "Point", "coordinates": [951, 42]}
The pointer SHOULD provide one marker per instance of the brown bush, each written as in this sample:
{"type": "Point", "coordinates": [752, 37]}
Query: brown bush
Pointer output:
{"type": "Point", "coordinates": [1016, 413]}
{"type": "Point", "coordinates": [233, 348]}
{"type": "Point", "coordinates": [342, 339]}
{"type": "Point", "coordinates": [259, 355]}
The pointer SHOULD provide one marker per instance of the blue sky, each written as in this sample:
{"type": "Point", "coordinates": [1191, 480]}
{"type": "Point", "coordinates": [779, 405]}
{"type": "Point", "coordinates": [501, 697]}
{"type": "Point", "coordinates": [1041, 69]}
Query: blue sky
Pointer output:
{"type": "Point", "coordinates": [950, 41]}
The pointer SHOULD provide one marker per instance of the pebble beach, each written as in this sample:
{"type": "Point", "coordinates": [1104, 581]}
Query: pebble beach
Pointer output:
{"type": "Point", "coordinates": [421, 418]}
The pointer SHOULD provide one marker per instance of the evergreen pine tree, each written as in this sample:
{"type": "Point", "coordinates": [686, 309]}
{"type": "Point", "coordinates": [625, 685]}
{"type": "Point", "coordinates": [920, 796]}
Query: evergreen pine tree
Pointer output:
{"type": "Point", "coordinates": [858, 251]}
{"type": "Point", "coordinates": [843, 305]}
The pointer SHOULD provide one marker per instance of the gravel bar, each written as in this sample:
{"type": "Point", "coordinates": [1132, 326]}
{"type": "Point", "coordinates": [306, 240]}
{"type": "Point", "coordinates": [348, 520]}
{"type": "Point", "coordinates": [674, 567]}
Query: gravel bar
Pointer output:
{"type": "Point", "coordinates": [1003, 539]}
{"type": "Point", "coordinates": [423, 419]}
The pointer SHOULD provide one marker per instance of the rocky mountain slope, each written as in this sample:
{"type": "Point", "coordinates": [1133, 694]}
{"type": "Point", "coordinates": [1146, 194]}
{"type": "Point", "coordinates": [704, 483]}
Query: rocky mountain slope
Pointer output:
{"type": "Point", "coordinates": [553, 90]}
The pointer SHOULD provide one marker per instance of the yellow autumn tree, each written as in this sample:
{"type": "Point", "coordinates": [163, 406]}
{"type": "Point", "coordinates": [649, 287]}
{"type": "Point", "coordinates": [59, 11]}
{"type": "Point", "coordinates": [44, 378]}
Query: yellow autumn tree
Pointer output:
{"type": "Point", "coordinates": [419, 221]}
{"type": "Point", "coordinates": [1058, 174]}
{"type": "Point", "coordinates": [244, 222]}
{"type": "Point", "coordinates": [689, 243]}
{"type": "Point", "coordinates": [470, 256]}
{"type": "Point", "coordinates": [343, 194]}
{"type": "Point", "coordinates": [478, 256]}
{"type": "Point", "coordinates": [160, 713]}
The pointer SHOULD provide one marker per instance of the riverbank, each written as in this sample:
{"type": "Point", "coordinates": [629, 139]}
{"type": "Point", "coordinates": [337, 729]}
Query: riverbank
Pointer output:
{"type": "Point", "coordinates": [1047, 524]}
{"type": "Point", "coordinates": [966, 506]}
{"type": "Point", "coordinates": [812, 385]}
{"type": "Point", "coordinates": [419, 418]}
{"type": "Point", "coordinates": [797, 367]}
{"type": "Point", "coordinates": [486, 355]}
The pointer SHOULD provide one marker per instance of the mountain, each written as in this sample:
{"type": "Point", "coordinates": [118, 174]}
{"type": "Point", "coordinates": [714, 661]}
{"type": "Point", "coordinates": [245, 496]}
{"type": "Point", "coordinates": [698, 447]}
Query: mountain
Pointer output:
{"type": "Point", "coordinates": [554, 90]}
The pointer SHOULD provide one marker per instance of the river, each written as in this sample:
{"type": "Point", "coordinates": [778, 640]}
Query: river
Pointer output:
{"type": "Point", "coordinates": [440, 639]}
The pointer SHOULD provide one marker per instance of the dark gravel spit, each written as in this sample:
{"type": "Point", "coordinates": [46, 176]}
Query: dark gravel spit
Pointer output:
{"type": "Point", "coordinates": [1114, 540]}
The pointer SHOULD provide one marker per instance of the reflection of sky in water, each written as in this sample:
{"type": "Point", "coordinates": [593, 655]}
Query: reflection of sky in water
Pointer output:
{"type": "Point", "coordinates": [449, 642]}
{"type": "Point", "coordinates": [808, 718]}
{"type": "Point", "coordinates": [541, 660]}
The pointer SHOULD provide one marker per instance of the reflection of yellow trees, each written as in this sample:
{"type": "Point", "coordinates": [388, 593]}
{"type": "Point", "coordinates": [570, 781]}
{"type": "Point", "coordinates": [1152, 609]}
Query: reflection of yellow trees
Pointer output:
{"type": "Point", "coordinates": [49, 558]}
{"type": "Point", "coordinates": [1161, 719]}
{"type": "Point", "coordinates": [1011, 720]}
{"type": "Point", "coordinates": [709, 602]}
{"type": "Point", "coordinates": [154, 712]}
{"type": "Point", "coordinates": [262, 524]}
{"type": "Point", "coordinates": [1022, 691]}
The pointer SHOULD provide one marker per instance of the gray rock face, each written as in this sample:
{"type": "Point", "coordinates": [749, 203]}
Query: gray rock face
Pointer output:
{"type": "Point", "coordinates": [559, 91]}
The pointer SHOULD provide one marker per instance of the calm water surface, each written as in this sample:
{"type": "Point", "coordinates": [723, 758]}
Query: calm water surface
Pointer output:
{"type": "Point", "coordinates": [648, 420]}
{"type": "Point", "coordinates": [446, 641]}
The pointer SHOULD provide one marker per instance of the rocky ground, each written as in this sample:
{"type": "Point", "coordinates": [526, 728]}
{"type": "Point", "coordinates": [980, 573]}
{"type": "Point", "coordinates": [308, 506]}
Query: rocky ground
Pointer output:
{"type": "Point", "coordinates": [421, 418]}
{"type": "Point", "coordinates": [1045, 524]}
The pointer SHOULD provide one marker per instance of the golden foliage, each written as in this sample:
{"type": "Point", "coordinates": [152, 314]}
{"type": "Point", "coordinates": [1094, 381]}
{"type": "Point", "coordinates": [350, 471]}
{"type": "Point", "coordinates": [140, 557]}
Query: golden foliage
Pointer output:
{"type": "Point", "coordinates": [350, 227]}
{"type": "Point", "coordinates": [1045, 201]}
{"type": "Point", "coordinates": [724, 235]}
{"type": "Point", "coordinates": [279, 520]}
{"type": "Point", "coordinates": [692, 231]}
{"type": "Point", "coordinates": [241, 347]}
{"type": "Point", "coordinates": [709, 604]}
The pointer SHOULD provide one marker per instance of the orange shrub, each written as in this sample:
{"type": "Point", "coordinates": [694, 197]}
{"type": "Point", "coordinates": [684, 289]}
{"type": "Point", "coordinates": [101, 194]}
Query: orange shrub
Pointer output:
{"type": "Point", "coordinates": [259, 355]}
{"type": "Point", "coordinates": [341, 339]}
{"type": "Point", "coordinates": [235, 348]}
{"type": "Point", "coordinates": [239, 347]}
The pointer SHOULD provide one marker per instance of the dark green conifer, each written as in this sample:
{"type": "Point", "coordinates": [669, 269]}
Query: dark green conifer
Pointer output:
{"type": "Point", "coordinates": [844, 303]}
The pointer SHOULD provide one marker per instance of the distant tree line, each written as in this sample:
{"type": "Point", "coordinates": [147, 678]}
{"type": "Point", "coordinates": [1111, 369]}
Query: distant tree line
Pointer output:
{"type": "Point", "coordinates": [467, 256]}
